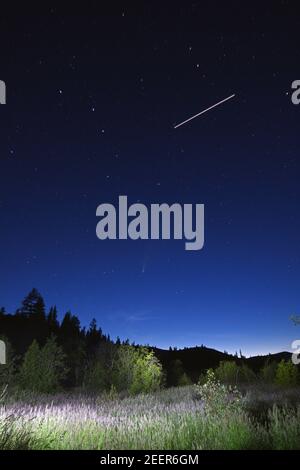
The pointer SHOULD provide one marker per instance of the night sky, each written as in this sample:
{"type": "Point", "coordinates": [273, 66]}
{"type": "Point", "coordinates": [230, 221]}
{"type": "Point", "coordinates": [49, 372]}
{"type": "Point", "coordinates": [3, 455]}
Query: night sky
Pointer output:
{"type": "Point", "coordinates": [92, 98]}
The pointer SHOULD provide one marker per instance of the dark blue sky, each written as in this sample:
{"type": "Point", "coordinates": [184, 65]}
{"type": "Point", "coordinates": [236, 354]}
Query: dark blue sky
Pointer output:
{"type": "Point", "coordinates": [91, 103]}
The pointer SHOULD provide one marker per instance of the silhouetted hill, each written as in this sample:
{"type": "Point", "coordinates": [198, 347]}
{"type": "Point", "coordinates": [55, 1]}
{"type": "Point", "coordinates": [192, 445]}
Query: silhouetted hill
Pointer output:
{"type": "Point", "coordinates": [257, 362]}
{"type": "Point", "coordinates": [198, 359]}
{"type": "Point", "coordinates": [194, 360]}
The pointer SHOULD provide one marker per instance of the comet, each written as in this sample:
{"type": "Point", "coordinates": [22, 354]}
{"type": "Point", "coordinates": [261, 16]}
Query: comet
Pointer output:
{"type": "Point", "coordinates": [204, 111]}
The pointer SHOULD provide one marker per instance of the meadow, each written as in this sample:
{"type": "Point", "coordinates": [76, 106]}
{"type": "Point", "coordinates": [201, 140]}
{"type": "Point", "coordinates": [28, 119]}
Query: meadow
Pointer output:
{"type": "Point", "coordinates": [175, 418]}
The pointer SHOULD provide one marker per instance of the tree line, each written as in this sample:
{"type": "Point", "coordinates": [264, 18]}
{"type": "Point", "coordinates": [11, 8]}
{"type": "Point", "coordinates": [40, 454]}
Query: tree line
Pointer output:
{"type": "Point", "coordinates": [46, 355]}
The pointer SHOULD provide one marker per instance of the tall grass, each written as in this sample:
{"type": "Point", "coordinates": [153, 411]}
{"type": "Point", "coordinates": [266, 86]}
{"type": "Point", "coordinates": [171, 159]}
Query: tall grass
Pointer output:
{"type": "Point", "coordinates": [169, 419]}
{"type": "Point", "coordinates": [14, 433]}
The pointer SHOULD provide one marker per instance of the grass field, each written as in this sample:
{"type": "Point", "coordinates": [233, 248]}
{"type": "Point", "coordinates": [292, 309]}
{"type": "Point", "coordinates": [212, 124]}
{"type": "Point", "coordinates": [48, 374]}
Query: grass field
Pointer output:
{"type": "Point", "coordinates": [170, 419]}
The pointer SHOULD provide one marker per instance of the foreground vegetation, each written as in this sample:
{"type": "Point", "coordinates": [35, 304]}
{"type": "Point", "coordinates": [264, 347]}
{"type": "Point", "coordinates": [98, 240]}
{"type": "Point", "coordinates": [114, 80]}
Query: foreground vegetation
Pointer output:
{"type": "Point", "coordinates": [205, 417]}
{"type": "Point", "coordinates": [65, 387]}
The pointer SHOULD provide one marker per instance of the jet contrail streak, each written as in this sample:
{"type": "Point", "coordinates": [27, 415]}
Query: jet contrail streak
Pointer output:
{"type": "Point", "coordinates": [204, 111]}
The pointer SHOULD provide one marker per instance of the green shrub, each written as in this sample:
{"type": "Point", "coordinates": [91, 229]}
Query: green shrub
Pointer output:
{"type": "Point", "coordinates": [287, 374]}
{"type": "Point", "coordinates": [184, 380]}
{"type": "Point", "coordinates": [147, 373]}
{"type": "Point", "coordinates": [95, 377]}
{"type": "Point", "coordinates": [136, 370]}
{"type": "Point", "coordinates": [246, 375]}
{"type": "Point", "coordinates": [202, 379]}
{"type": "Point", "coordinates": [43, 369]}
{"type": "Point", "coordinates": [219, 398]}
{"type": "Point", "coordinates": [268, 372]}
{"type": "Point", "coordinates": [227, 372]}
